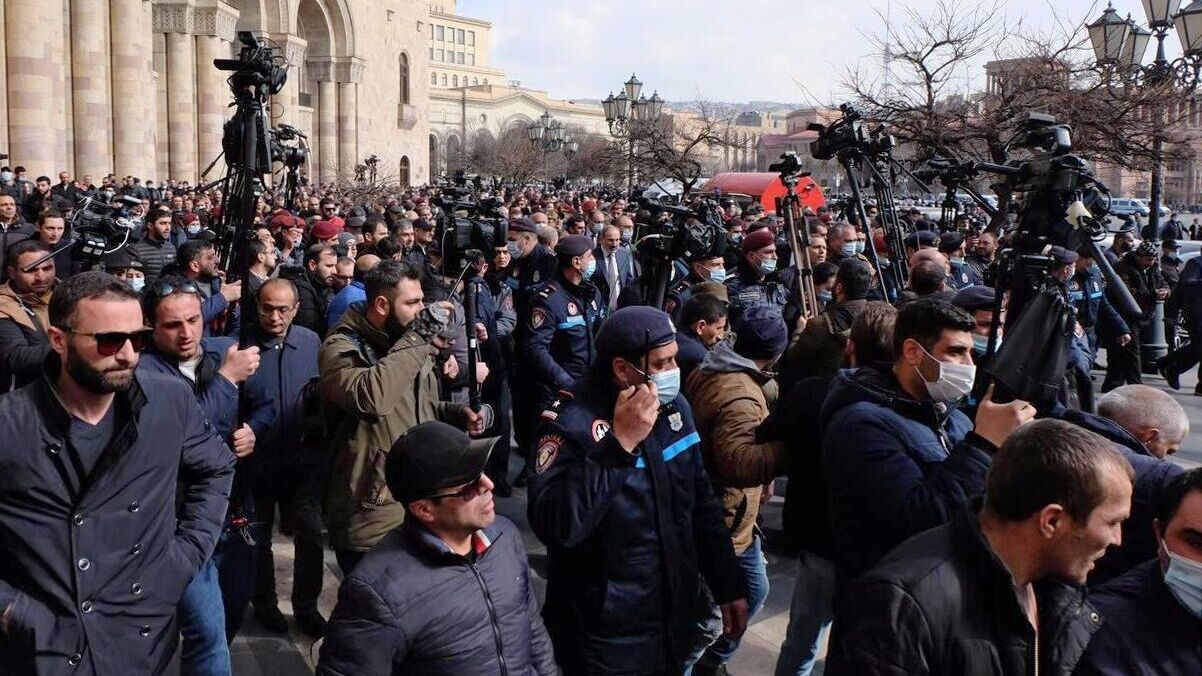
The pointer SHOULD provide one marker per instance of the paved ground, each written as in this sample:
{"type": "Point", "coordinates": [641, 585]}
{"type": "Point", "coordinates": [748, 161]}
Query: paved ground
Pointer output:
{"type": "Point", "coordinates": [257, 653]}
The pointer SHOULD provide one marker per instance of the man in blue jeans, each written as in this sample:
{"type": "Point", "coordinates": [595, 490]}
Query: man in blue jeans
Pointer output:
{"type": "Point", "coordinates": [215, 369]}
{"type": "Point", "coordinates": [728, 406]}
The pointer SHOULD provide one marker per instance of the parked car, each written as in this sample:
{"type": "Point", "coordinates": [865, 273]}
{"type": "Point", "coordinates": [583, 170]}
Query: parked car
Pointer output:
{"type": "Point", "coordinates": [1129, 206]}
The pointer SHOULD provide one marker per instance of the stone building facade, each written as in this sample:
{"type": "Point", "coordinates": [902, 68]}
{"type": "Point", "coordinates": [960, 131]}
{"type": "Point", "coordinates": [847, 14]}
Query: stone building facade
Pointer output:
{"type": "Point", "coordinates": [128, 86]}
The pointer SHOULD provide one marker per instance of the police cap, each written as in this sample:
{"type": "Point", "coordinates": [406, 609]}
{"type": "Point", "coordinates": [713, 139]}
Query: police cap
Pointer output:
{"type": "Point", "coordinates": [523, 224]}
{"type": "Point", "coordinates": [573, 245]}
{"type": "Point", "coordinates": [973, 298]}
{"type": "Point", "coordinates": [921, 238]}
{"type": "Point", "coordinates": [634, 330]}
{"type": "Point", "coordinates": [950, 242]}
{"type": "Point", "coordinates": [1062, 255]}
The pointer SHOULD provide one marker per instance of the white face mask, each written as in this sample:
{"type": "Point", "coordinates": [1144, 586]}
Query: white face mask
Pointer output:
{"type": "Point", "coordinates": [1184, 579]}
{"type": "Point", "coordinates": [953, 383]}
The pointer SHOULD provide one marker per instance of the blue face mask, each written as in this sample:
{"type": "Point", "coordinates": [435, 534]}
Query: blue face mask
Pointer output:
{"type": "Point", "coordinates": [860, 246]}
{"type": "Point", "coordinates": [592, 267]}
{"type": "Point", "coordinates": [981, 343]}
{"type": "Point", "coordinates": [767, 265]}
{"type": "Point", "coordinates": [667, 384]}
{"type": "Point", "coordinates": [849, 249]}
{"type": "Point", "coordinates": [514, 249]}
{"type": "Point", "coordinates": [826, 296]}
{"type": "Point", "coordinates": [957, 261]}
{"type": "Point", "coordinates": [718, 274]}
{"type": "Point", "coordinates": [1184, 580]}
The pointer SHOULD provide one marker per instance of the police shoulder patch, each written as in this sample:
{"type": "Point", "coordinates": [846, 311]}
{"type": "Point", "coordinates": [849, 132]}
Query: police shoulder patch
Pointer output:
{"type": "Point", "coordinates": [548, 450]}
{"type": "Point", "coordinates": [538, 317]}
{"type": "Point", "coordinates": [572, 309]}
{"type": "Point", "coordinates": [600, 429]}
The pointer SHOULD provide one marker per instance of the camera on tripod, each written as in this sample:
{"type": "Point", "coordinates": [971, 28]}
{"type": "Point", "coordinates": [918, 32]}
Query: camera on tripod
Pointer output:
{"type": "Point", "coordinates": [100, 227]}
{"type": "Point", "coordinates": [258, 67]}
{"type": "Point", "coordinates": [473, 236]}
{"type": "Point", "coordinates": [291, 156]}
{"type": "Point", "coordinates": [845, 132]}
{"type": "Point", "coordinates": [672, 231]}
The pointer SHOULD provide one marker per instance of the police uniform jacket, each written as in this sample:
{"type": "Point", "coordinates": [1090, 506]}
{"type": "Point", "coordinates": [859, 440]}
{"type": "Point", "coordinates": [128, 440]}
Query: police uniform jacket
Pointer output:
{"type": "Point", "coordinates": [962, 275]}
{"type": "Point", "coordinates": [94, 565]}
{"type": "Point", "coordinates": [1087, 293]}
{"type": "Point", "coordinates": [630, 537]}
{"type": "Point", "coordinates": [747, 289]}
{"type": "Point", "coordinates": [560, 333]}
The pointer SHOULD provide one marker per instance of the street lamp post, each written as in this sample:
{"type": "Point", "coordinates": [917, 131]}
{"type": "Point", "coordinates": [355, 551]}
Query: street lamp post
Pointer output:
{"type": "Point", "coordinates": [549, 135]}
{"type": "Point", "coordinates": [1119, 47]}
{"type": "Point", "coordinates": [623, 111]}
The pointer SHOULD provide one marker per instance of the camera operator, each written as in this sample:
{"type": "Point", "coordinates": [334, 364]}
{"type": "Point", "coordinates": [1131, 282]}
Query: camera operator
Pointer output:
{"type": "Point", "coordinates": [24, 304]}
{"type": "Point", "coordinates": [102, 546]}
{"type": "Point", "coordinates": [1001, 589]}
{"type": "Point", "coordinates": [377, 381]}
{"type": "Point", "coordinates": [900, 456]}
{"type": "Point", "coordinates": [1139, 272]}
{"type": "Point", "coordinates": [753, 282]}
{"type": "Point", "coordinates": [704, 268]}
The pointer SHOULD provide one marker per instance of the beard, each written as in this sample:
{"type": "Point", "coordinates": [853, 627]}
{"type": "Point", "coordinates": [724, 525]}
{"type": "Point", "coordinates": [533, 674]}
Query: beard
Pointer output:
{"type": "Point", "coordinates": [98, 382]}
{"type": "Point", "coordinates": [393, 327]}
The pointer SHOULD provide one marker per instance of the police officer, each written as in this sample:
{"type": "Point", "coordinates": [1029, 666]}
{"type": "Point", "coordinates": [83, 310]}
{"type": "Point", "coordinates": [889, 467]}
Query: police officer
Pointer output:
{"type": "Point", "coordinates": [960, 273]}
{"type": "Point", "coordinates": [621, 499]}
{"type": "Point", "coordinates": [754, 282]}
{"type": "Point", "coordinates": [709, 267]}
{"type": "Point", "coordinates": [1095, 314]}
{"type": "Point", "coordinates": [532, 264]}
{"type": "Point", "coordinates": [562, 322]}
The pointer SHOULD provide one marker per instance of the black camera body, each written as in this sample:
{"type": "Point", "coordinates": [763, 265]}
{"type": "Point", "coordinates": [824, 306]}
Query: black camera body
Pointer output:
{"type": "Point", "coordinates": [100, 227]}
{"type": "Point", "coordinates": [846, 132]}
{"type": "Point", "coordinates": [472, 237]}
{"type": "Point", "coordinates": [257, 67]}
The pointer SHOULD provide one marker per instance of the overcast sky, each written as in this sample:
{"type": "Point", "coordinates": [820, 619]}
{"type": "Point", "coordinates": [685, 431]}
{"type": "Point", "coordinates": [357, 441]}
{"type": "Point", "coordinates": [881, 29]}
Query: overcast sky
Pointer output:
{"type": "Point", "coordinates": [724, 50]}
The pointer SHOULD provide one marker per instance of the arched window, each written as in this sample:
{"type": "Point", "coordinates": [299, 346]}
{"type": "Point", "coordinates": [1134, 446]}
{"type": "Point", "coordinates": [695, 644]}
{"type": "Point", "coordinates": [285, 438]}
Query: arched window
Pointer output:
{"type": "Point", "coordinates": [433, 154]}
{"type": "Point", "coordinates": [454, 80]}
{"type": "Point", "coordinates": [404, 78]}
{"type": "Point", "coordinates": [434, 78]}
{"type": "Point", "coordinates": [444, 79]}
{"type": "Point", "coordinates": [404, 173]}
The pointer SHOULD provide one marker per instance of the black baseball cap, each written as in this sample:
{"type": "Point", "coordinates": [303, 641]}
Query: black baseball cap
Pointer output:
{"type": "Point", "coordinates": [432, 457]}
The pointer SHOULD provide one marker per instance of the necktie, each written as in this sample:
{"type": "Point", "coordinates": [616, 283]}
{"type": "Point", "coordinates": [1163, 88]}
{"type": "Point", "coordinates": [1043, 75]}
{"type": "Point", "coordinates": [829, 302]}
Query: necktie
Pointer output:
{"type": "Point", "coordinates": [611, 275]}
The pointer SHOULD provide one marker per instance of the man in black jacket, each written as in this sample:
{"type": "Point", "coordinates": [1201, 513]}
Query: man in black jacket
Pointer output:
{"type": "Point", "coordinates": [24, 301]}
{"type": "Point", "coordinates": [97, 556]}
{"type": "Point", "coordinates": [314, 284]}
{"type": "Point", "coordinates": [1139, 272]}
{"type": "Point", "coordinates": [999, 591]}
{"type": "Point", "coordinates": [447, 592]}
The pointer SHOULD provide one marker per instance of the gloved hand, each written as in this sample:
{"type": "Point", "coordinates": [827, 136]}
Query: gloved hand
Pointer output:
{"type": "Point", "coordinates": [432, 320]}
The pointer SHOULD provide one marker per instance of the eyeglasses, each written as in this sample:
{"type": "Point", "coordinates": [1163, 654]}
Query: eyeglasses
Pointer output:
{"type": "Point", "coordinates": [109, 343]}
{"type": "Point", "coordinates": [468, 492]}
{"type": "Point", "coordinates": [269, 311]}
{"type": "Point", "coordinates": [166, 288]}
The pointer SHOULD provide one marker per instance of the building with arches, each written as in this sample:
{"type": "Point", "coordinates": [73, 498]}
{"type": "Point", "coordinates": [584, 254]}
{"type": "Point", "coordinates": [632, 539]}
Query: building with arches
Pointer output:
{"type": "Point", "coordinates": [128, 86]}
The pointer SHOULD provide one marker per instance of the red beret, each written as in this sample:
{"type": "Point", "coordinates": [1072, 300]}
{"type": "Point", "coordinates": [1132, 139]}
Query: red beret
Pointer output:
{"type": "Point", "coordinates": [758, 240]}
{"type": "Point", "coordinates": [282, 219]}
{"type": "Point", "coordinates": [189, 218]}
{"type": "Point", "coordinates": [325, 229]}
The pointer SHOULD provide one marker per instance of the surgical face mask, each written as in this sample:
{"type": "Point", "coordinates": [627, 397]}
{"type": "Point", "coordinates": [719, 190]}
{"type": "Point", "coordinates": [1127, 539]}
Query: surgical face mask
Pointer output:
{"type": "Point", "coordinates": [667, 384]}
{"type": "Point", "coordinates": [597, 228]}
{"type": "Point", "coordinates": [626, 235]}
{"type": "Point", "coordinates": [826, 296]}
{"type": "Point", "coordinates": [718, 274]}
{"type": "Point", "coordinates": [193, 229]}
{"type": "Point", "coordinates": [1184, 579]}
{"type": "Point", "coordinates": [736, 238]}
{"type": "Point", "coordinates": [860, 246]}
{"type": "Point", "coordinates": [137, 283]}
{"type": "Point", "coordinates": [953, 383]}
{"type": "Point", "coordinates": [849, 249]}
{"type": "Point", "coordinates": [591, 268]}
{"type": "Point", "coordinates": [957, 261]}
{"type": "Point", "coordinates": [514, 249]}
{"type": "Point", "coordinates": [6, 176]}
{"type": "Point", "coordinates": [980, 343]}
{"type": "Point", "coordinates": [767, 265]}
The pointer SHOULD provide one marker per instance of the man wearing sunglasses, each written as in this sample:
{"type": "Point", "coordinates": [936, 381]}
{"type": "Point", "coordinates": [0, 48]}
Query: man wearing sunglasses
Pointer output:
{"type": "Point", "coordinates": [448, 591]}
{"type": "Point", "coordinates": [215, 370]}
{"type": "Point", "coordinates": [96, 552]}
{"type": "Point", "coordinates": [24, 307]}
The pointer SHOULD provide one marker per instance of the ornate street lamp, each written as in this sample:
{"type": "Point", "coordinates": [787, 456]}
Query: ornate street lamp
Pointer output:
{"type": "Point", "coordinates": [1189, 29]}
{"type": "Point", "coordinates": [633, 88]}
{"type": "Point", "coordinates": [1108, 34]}
{"type": "Point", "coordinates": [627, 108]}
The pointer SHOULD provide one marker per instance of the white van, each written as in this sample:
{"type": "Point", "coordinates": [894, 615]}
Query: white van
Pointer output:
{"type": "Point", "coordinates": [1129, 206]}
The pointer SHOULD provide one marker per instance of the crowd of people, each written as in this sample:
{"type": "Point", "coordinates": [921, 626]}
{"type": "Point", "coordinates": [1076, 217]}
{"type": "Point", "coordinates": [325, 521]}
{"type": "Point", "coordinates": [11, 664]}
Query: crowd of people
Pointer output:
{"type": "Point", "coordinates": [168, 412]}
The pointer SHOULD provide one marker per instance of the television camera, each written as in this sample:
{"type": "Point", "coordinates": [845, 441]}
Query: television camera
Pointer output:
{"type": "Point", "coordinates": [668, 232]}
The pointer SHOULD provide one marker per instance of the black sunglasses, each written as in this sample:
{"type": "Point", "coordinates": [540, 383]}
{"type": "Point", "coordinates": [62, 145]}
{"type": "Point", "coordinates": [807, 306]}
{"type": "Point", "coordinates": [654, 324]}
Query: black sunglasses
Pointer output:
{"type": "Point", "coordinates": [468, 492]}
{"type": "Point", "coordinates": [166, 288]}
{"type": "Point", "coordinates": [109, 343]}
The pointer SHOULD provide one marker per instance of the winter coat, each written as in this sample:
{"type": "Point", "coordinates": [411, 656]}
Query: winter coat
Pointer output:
{"type": "Point", "coordinates": [629, 537]}
{"type": "Point", "coordinates": [313, 300]}
{"type": "Point", "coordinates": [1145, 630]}
{"type": "Point", "coordinates": [1143, 284]}
{"type": "Point", "coordinates": [690, 352]}
{"type": "Point", "coordinates": [944, 603]}
{"type": "Point", "coordinates": [93, 569]}
{"type": "Point", "coordinates": [154, 256]}
{"type": "Point", "coordinates": [728, 407]}
{"type": "Point", "coordinates": [1152, 478]}
{"type": "Point", "coordinates": [287, 366]}
{"type": "Point", "coordinates": [23, 340]}
{"type": "Point", "coordinates": [413, 607]}
{"type": "Point", "coordinates": [374, 389]}
{"type": "Point", "coordinates": [818, 351]}
{"type": "Point", "coordinates": [896, 465]}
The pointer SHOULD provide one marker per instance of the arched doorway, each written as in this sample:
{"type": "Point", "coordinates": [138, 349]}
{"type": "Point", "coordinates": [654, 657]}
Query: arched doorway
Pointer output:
{"type": "Point", "coordinates": [403, 174]}
{"type": "Point", "coordinates": [454, 153]}
{"type": "Point", "coordinates": [435, 169]}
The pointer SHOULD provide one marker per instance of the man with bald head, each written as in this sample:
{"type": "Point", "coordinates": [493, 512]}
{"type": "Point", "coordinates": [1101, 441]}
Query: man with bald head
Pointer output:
{"type": "Point", "coordinates": [286, 468]}
{"type": "Point", "coordinates": [615, 265]}
{"type": "Point", "coordinates": [353, 292]}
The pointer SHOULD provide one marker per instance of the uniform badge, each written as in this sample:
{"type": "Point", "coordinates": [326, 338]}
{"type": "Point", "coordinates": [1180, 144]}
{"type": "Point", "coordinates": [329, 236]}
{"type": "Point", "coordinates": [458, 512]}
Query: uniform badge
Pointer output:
{"type": "Point", "coordinates": [537, 317]}
{"type": "Point", "coordinates": [600, 429]}
{"type": "Point", "coordinates": [675, 422]}
{"type": "Point", "coordinates": [548, 450]}
{"type": "Point", "coordinates": [536, 276]}
{"type": "Point", "coordinates": [572, 309]}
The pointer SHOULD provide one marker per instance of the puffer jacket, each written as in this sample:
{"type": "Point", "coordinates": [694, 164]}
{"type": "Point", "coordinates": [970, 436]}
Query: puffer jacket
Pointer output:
{"type": "Point", "coordinates": [728, 407]}
{"type": "Point", "coordinates": [23, 340]}
{"type": "Point", "coordinates": [414, 607]}
{"type": "Point", "coordinates": [818, 350]}
{"type": "Point", "coordinates": [154, 256]}
{"type": "Point", "coordinates": [374, 389]}
{"type": "Point", "coordinates": [896, 465]}
{"type": "Point", "coordinates": [944, 604]}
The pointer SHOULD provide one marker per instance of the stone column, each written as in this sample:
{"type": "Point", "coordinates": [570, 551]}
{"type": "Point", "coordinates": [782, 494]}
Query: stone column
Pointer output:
{"type": "Point", "coordinates": [285, 106]}
{"type": "Point", "coordinates": [93, 119]}
{"type": "Point", "coordinates": [348, 128]}
{"type": "Point", "coordinates": [162, 165]}
{"type": "Point", "coordinates": [33, 34]}
{"type": "Point", "coordinates": [327, 131]}
{"type": "Point", "coordinates": [212, 96]}
{"type": "Point", "coordinates": [181, 106]}
{"type": "Point", "coordinates": [3, 88]}
{"type": "Point", "coordinates": [131, 78]}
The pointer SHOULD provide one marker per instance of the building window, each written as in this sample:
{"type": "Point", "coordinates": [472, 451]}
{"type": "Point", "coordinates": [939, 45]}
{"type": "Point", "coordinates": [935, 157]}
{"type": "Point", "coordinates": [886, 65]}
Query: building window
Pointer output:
{"type": "Point", "coordinates": [404, 173]}
{"type": "Point", "coordinates": [485, 80]}
{"type": "Point", "coordinates": [404, 78]}
{"type": "Point", "coordinates": [438, 55]}
{"type": "Point", "coordinates": [459, 58]}
{"type": "Point", "coordinates": [431, 31]}
{"type": "Point", "coordinates": [439, 33]}
{"type": "Point", "coordinates": [444, 79]}
{"type": "Point", "coordinates": [475, 81]}
{"type": "Point", "coordinates": [454, 80]}
{"type": "Point", "coordinates": [471, 59]}
{"type": "Point", "coordinates": [431, 53]}
{"type": "Point", "coordinates": [434, 79]}
{"type": "Point", "coordinates": [471, 38]}
{"type": "Point", "coordinates": [459, 37]}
